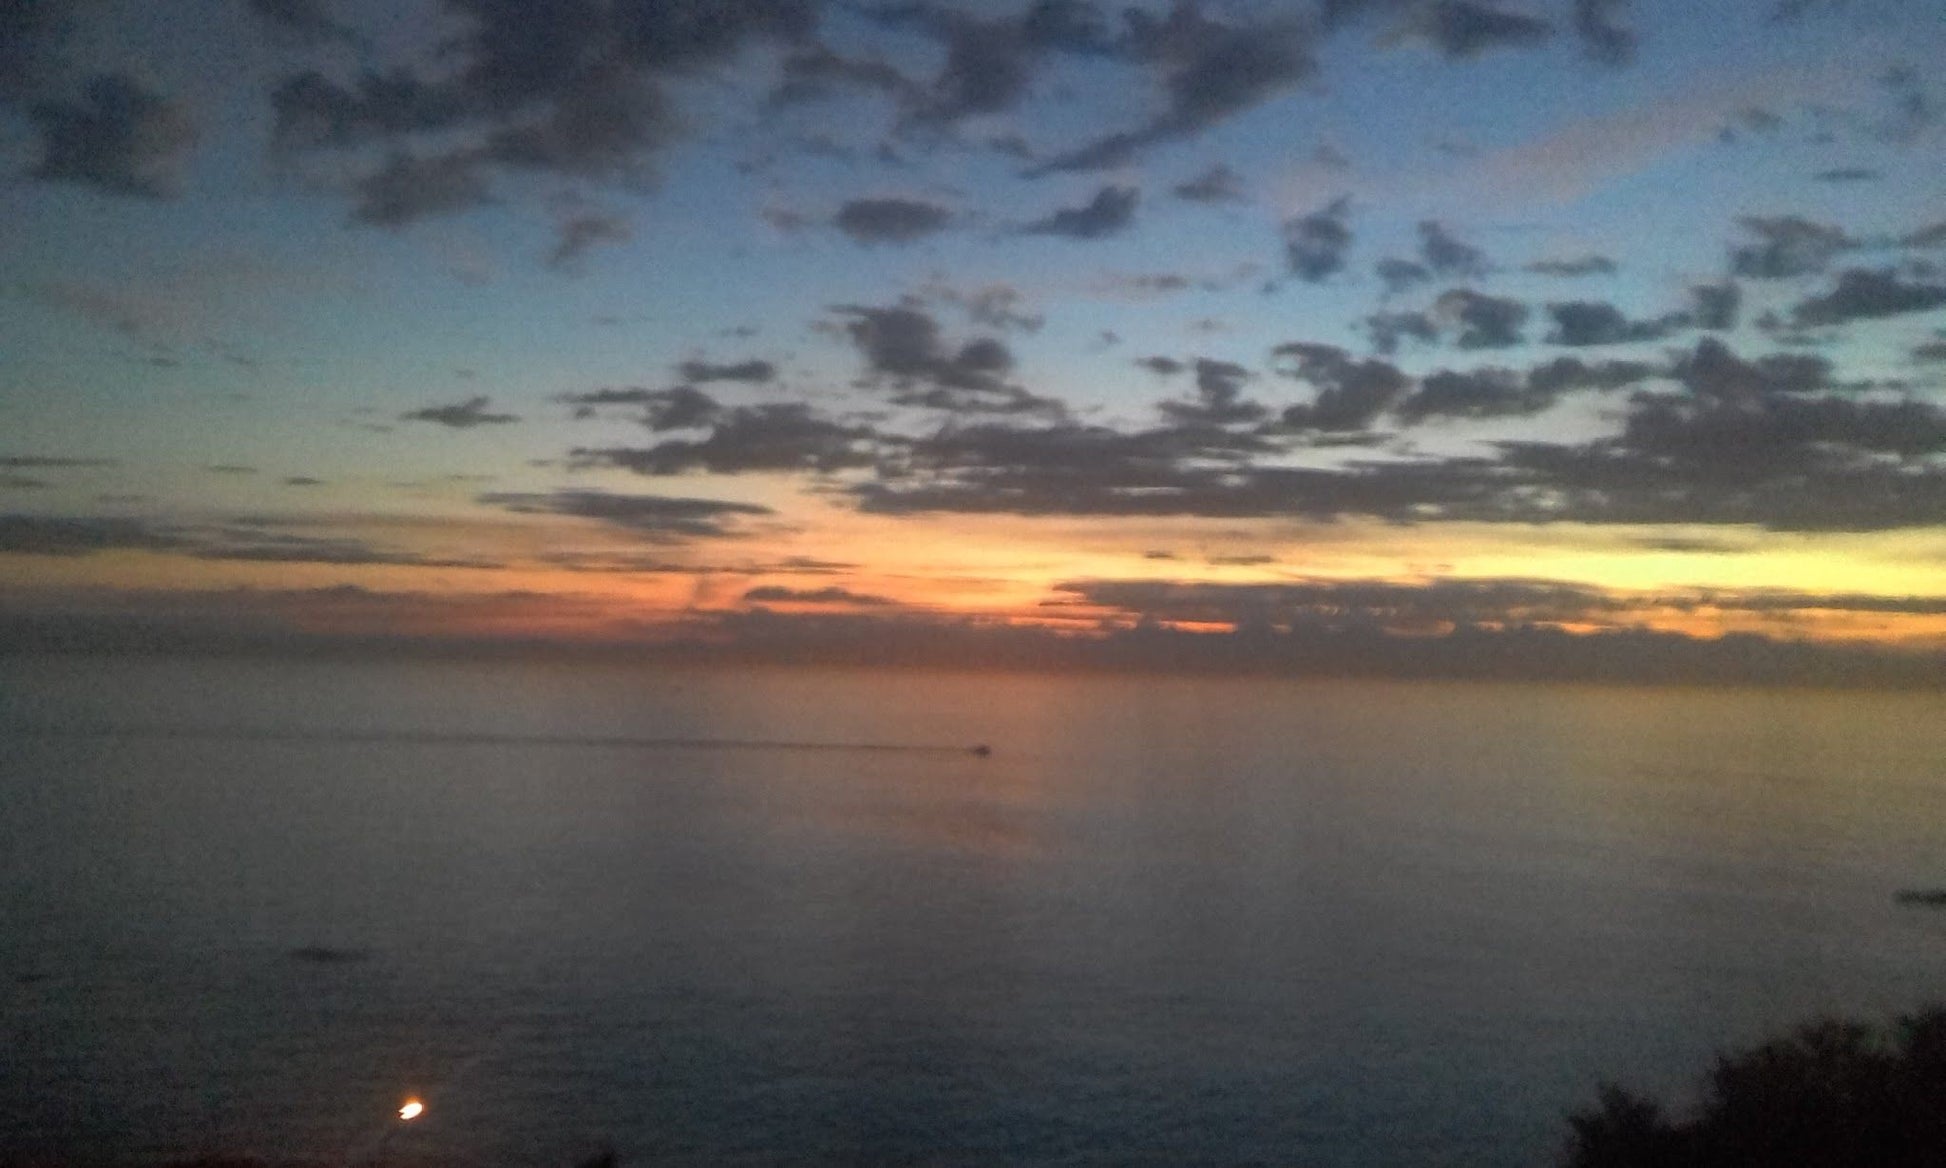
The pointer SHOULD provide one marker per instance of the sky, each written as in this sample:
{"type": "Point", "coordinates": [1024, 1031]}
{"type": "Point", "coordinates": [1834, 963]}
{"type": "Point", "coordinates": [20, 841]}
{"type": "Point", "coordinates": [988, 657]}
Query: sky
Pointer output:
{"type": "Point", "coordinates": [1416, 331]}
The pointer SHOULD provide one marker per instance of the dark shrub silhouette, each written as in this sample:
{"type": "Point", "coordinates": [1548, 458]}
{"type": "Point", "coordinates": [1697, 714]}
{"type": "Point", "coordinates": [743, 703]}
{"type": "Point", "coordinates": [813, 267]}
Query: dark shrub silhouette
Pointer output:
{"type": "Point", "coordinates": [1832, 1094]}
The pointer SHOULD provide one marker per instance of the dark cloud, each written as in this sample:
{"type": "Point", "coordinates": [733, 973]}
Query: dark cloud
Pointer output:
{"type": "Point", "coordinates": [871, 221]}
{"type": "Point", "coordinates": [460, 415]}
{"type": "Point", "coordinates": [1786, 246]}
{"type": "Point", "coordinates": [1778, 434]}
{"type": "Point", "coordinates": [32, 33]}
{"type": "Point", "coordinates": [903, 345]}
{"type": "Point", "coordinates": [815, 73]}
{"type": "Point", "coordinates": [1062, 468]}
{"type": "Point", "coordinates": [1447, 255]}
{"type": "Point", "coordinates": [302, 481]}
{"type": "Point", "coordinates": [990, 64]}
{"type": "Point", "coordinates": [1350, 394]}
{"type": "Point", "coordinates": [1480, 393]}
{"type": "Point", "coordinates": [43, 535]}
{"type": "Point", "coordinates": [1913, 111]}
{"type": "Point", "coordinates": [1848, 174]}
{"type": "Point", "coordinates": [579, 233]}
{"type": "Point", "coordinates": [246, 541]}
{"type": "Point", "coordinates": [311, 111]}
{"type": "Point", "coordinates": [574, 90]}
{"type": "Point", "coordinates": [1207, 70]}
{"type": "Point", "coordinates": [1219, 398]}
{"type": "Point", "coordinates": [1211, 71]}
{"type": "Point", "coordinates": [260, 542]}
{"type": "Point", "coordinates": [1930, 351]}
{"type": "Point", "coordinates": [1567, 374]}
{"type": "Point", "coordinates": [1110, 211]}
{"type": "Point", "coordinates": [1401, 275]}
{"type": "Point", "coordinates": [1483, 322]}
{"type": "Point", "coordinates": [1161, 366]}
{"type": "Point", "coordinates": [1782, 461]}
{"type": "Point", "coordinates": [1864, 294]}
{"type": "Point", "coordinates": [1218, 184]}
{"type": "Point", "coordinates": [1315, 244]}
{"type": "Point", "coordinates": [1356, 604]}
{"type": "Point", "coordinates": [753, 371]}
{"type": "Point", "coordinates": [307, 22]}
{"type": "Point", "coordinates": [1745, 443]}
{"type": "Point", "coordinates": [408, 188]}
{"type": "Point", "coordinates": [1388, 329]}
{"type": "Point", "coordinates": [775, 437]}
{"type": "Point", "coordinates": [1603, 37]}
{"type": "Point", "coordinates": [775, 594]}
{"type": "Point", "coordinates": [1931, 236]}
{"type": "Point", "coordinates": [1715, 306]}
{"type": "Point", "coordinates": [122, 138]}
{"type": "Point", "coordinates": [1579, 323]}
{"type": "Point", "coordinates": [997, 306]}
{"type": "Point", "coordinates": [1461, 29]}
{"type": "Point", "coordinates": [1714, 371]}
{"type": "Point", "coordinates": [655, 518]}
{"type": "Point", "coordinates": [1587, 265]}
{"type": "Point", "coordinates": [51, 462]}
{"type": "Point", "coordinates": [1345, 605]}
{"type": "Point", "coordinates": [683, 407]}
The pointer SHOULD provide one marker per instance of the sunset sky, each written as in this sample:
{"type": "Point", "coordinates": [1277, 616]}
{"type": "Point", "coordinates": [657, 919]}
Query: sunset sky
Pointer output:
{"type": "Point", "coordinates": [731, 320]}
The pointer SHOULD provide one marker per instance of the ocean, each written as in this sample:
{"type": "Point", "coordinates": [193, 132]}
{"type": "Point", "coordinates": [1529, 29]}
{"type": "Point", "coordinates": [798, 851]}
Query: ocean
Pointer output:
{"type": "Point", "coordinates": [729, 917]}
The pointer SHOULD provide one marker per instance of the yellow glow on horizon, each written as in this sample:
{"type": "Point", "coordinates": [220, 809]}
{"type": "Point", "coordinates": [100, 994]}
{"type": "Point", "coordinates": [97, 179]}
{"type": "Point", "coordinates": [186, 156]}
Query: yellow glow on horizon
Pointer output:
{"type": "Point", "coordinates": [1009, 570]}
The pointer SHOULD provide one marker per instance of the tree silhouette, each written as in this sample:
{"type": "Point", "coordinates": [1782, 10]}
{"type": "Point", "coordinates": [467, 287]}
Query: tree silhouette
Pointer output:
{"type": "Point", "coordinates": [1834, 1094]}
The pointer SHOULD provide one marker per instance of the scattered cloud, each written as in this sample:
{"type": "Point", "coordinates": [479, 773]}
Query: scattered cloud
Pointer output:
{"type": "Point", "coordinates": [1595, 322]}
{"type": "Point", "coordinates": [777, 594]}
{"type": "Point", "coordinates": [1447, 255]}
{"type": "Point", "coordinates": [578, 234]}
{"type": "Point", "coordinates": [891, 220]}
{"type": "Point", "coordinates": [1400, 276]}
{"type": "Point", "coordinates": [408, 188]}
{"type": "Point", "coordinates": [1461, 29]}
{"type": "Point", "coordinates": [1218, 184]}
{"type": "Point", "coordinates": [1786, 246]}
{"type": "Point", "coordinates": [1207, 71]}
{"type": "Point", "coordinates": [1219, 398]}
{"type": "Point", "coordinates": [122, 138]}
{"type": "Point", "coordinates": [773, 437]}
{"type": "Point", "coordinates": [1849, 174]}
{"type": "Point", "coordinates": [1108, 213]}
{"type": "Point", "coordinates": [1482, 321]}
{"type": "Point", "coordinates": [1865, 294]}
{"type": "Point", "coordinates": [308, 22]}
{"type": "Point", "coordinates": [1604, 39]}
{"type": "Point", "coordinates": [1350, 394]}
{"type": "Point", "coordinates": [460, 415]}
{"type": "Point", "coordinates": [1577, 266]}
{"type": "Point", "coordinates": [753, 371]}
{"type": "Point", "coordinates": [1315, 245]}
{"type": "Point", "coordinates": [657, 519]}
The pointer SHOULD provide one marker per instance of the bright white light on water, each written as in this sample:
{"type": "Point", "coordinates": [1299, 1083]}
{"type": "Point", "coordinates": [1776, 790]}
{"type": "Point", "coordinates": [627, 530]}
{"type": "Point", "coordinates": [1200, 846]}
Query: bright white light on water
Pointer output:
{"type": "Point", "coordinates": [412, 1109]}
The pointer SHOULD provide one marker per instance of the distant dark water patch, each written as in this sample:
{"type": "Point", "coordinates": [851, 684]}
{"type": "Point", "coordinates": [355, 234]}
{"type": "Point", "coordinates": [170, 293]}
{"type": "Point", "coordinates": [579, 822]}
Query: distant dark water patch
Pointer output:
{"type": "Point", "coordinates": [1924, 897]}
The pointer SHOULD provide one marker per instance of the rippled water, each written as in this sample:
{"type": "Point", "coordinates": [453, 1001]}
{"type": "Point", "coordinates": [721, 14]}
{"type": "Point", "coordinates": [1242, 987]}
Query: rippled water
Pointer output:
{"type": "Point", "coordinates": [251, 906]}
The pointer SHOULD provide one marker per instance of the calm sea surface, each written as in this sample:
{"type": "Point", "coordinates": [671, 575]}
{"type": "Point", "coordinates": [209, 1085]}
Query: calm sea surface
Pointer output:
{"type": "Point", "coordinates": [1166, 922]}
